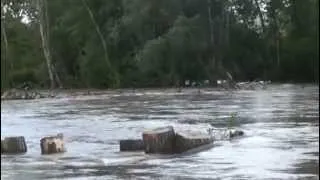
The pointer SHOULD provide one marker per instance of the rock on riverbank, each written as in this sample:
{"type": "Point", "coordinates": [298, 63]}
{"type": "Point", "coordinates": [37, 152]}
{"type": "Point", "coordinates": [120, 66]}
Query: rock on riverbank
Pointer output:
{"type": "Point", "coordinates": [15, 94]}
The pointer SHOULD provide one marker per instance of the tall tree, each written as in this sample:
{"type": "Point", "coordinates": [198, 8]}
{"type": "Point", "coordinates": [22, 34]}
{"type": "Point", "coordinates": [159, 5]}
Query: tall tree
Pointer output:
{"type": "Point", "coordinates": [43, 28]}
{"type": "Point", "coordinates": [104, 44]}
{"type": "Point", "coordinates": [5, 52]}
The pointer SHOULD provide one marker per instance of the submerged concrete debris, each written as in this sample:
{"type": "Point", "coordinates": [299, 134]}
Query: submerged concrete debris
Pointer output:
{"type": "Point", "coordinates": [13, 145]}
{"type": "Point", "coordinates": [187, 140]}
{"type": "Point", "coordinates": [131, 145]}
{"type": "Point", "coordinates": [159, 140]}
{"type": "Point", "coordinates": [165, 140]}
{"type": "Point", "coordinates": [52, 144]}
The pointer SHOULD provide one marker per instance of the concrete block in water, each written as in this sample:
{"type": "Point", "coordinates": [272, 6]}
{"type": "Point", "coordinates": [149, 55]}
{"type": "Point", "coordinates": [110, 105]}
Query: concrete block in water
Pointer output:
{"type": "Point", "coordinates": [131, 145]}
{"type": "Point", "coordinates": [159, 140]}
{"type": "Point", "coordinates": [13, 145]}
{"type": "Point", "coordinates": [186, 141]}
{"type": "Point", "coordinates": [166, 141]}
{"type": "Point", "coordinates": [52, 144]}
{"type": "Point", "coordinates": [235, 133]}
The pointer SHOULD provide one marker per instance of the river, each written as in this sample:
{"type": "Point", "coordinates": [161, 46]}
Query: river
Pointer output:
{"type": "Point", "coordinates": [281, 141]}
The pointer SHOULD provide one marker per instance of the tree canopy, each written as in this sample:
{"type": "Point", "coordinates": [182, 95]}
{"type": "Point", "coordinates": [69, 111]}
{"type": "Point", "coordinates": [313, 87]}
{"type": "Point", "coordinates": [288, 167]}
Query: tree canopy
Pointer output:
{"type": "Point", "coordinates": [143, 43]}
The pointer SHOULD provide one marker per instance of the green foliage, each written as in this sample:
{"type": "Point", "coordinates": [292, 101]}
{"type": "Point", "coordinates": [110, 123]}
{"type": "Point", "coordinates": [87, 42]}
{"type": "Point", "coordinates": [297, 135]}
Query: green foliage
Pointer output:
{"type": "Point", "coordinates": [232, 120]}
{"type": "Point", "coordinates": [23, 75]}
{"type": "Point", "coordinates": [162, 43]}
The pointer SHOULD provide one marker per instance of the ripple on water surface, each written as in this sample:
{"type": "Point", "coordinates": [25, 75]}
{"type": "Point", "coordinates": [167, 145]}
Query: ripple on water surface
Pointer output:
{"type": "Point", "coordinates": [281, 139]}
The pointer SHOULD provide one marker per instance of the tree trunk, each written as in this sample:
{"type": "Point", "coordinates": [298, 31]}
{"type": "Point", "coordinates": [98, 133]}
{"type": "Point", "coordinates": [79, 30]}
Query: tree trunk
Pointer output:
{"type": "Point", "coordinates": [260, 16]}
{"type": "Point", "coordinates": [263, 31]}
{"type": "Point", "coordinates": [3, 29]}
{"type": "Point", "coordinates": [278, 48]}
{"type": "Point", "coordinates": [103, 42]}
{"type": "Point", "coordinates": [4, 35]}
{"type": "Point", "coordinates": [210, 23]}
{"type": "Point", "coordinates": [227, 25]}
{"type": "Point", "coordinates": [223, 44]}
{"type": "Point", "coordinates": [212, 40]}
{"type": "Point", "coordinates": [47, 35]}
{"type": "Point", "coordinates": [45, 47]}
{"type": "Point", "coordinates": [276, 34]}
{"type": "Point", "coordinates": [316, 59]}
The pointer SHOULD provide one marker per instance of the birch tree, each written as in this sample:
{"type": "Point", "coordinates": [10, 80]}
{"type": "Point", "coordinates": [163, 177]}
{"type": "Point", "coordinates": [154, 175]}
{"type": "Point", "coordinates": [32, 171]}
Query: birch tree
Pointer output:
{"type": "Point", "coordinates": [44, 33]}
{"type": "Point", "coordinates": [103, 42]}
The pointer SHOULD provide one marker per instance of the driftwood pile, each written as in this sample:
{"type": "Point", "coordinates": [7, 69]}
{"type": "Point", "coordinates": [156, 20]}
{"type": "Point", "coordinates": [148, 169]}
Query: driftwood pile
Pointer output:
{"type": "Point", "coordinates": [17, 145]}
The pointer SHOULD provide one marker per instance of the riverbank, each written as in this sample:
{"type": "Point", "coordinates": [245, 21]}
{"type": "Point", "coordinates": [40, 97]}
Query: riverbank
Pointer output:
{"type": "Point", "coordinates": [59, 93]}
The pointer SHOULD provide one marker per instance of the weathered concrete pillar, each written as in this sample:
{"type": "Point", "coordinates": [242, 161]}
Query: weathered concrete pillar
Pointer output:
{"type": "Point", "coordinates": [159, 140]}
{"type": "Point", "coordinates": [189, 140]}
{"type": "Point", "coordinates": [13, 145]}
{"type": "Point", "coordinates": [52, 144]}
{"type": "Point", "coordinates": [131, 145]}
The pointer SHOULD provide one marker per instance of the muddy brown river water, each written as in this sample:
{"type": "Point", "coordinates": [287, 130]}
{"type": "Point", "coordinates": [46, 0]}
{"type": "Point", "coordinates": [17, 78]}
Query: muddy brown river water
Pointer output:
{"type": "Point", "coordinates": [281, 141]}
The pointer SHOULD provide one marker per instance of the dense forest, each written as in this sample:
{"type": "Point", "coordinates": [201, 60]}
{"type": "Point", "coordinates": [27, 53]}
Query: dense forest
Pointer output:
{"type": "Point", "coordinates": [145, 43]}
